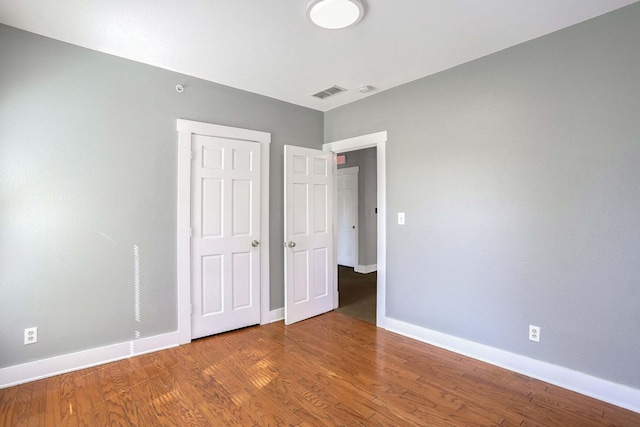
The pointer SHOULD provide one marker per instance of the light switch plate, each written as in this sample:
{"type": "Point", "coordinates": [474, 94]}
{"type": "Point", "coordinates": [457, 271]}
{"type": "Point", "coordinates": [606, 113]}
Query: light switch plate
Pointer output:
{"type": "Point", "coordinates": [401, 218]}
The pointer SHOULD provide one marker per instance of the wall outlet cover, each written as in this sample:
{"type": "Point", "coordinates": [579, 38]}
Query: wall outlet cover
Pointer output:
{"type": "Point", "coordinates": [31, 335]}
{"type": "Point", "coordinates": [534, 333]}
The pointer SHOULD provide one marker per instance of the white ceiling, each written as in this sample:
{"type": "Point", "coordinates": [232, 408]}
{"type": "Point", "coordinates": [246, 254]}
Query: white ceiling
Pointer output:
{"type": "Point", "coordinates": [268, 46]}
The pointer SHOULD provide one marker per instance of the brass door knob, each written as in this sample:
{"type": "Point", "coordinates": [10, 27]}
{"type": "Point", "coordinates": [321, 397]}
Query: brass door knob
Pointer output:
{"type": "Point", "coordinates": [255, 243]}
{"type": "Point", "coordinates": [291, 244]}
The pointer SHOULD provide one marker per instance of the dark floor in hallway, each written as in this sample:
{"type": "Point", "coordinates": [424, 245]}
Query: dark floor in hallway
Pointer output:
{"type": "Point", "coordinates": [357, 294]}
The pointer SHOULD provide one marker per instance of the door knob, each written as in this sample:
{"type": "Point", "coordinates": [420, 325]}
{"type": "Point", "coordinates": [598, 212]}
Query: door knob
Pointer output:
{"type": "Point", "coordinates": [291, 244]}
{"type": "Point", "coordinates": [255, 243]}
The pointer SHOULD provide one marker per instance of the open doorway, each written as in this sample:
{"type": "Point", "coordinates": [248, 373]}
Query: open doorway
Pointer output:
{"type": "Point", "coordinates": [377, 140]}
{"type": "Point", "coordinates": [357, 234]}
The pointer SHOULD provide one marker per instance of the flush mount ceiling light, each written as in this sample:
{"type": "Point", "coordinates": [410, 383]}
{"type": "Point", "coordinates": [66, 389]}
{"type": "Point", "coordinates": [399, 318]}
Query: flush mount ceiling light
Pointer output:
{"type": "Point", "coordinates": [335, 14]}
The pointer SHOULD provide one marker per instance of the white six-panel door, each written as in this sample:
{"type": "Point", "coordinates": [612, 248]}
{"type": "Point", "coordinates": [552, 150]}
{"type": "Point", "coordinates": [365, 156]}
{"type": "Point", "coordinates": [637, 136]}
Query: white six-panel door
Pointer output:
{"type": "Point", "coordinates": [309, 260]}
{"type": "Point", "coordinates": [225, 245]}
{"type": "Point", "coordinates": [347, 213]}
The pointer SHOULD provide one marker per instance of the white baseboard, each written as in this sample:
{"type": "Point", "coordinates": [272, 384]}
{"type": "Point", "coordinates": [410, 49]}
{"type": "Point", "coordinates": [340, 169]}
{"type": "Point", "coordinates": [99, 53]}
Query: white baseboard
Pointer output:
{"type": "Point", "coordinates": [44, 368]}
{"type": "Point", "coordinates": [365, 269]}
{"type": "Point", "coordinates": [607, 391]}
{"type": "Point", "coordinates": [276, 315]}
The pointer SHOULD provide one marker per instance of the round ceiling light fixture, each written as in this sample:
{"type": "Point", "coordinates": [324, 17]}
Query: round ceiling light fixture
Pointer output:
{"type": "Point", "coordinates": [335, 14]}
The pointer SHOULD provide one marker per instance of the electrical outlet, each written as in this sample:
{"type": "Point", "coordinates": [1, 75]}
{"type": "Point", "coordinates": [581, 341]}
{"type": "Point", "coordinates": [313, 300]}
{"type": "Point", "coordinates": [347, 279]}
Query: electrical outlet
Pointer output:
{"type": "Point", "coordinates": [31, 335]}
{"type": "Point", "coordinates": [534, 333]}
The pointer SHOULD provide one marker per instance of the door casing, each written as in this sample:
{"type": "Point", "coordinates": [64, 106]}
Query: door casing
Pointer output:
{"type": "Point", "coordinates": [187, 128]}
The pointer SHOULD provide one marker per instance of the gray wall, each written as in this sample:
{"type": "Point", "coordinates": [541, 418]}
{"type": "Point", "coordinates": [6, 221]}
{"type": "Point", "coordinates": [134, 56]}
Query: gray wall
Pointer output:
{"type": "Point", "coordinates": [367, 203]}
{"type": "Point", "coordinates": [520, 177]}
{"type": "Point", "coordinates": [88, 163]}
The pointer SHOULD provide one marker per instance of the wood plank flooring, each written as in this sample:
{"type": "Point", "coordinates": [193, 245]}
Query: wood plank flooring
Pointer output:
{"type": "Point", "coordinates": [331, 370]}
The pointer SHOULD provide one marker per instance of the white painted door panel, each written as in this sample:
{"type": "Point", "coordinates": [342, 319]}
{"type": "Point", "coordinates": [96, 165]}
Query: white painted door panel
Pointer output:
{"type": "Point", "coordinates": [225, 227]}
{"type": "Point", "coordinates": [309, 269]}
{"type": "Point", "coordinates": [347, 212]}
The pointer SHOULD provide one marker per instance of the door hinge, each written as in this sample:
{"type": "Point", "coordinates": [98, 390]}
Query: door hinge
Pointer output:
{"type": "Point", "coordinates": [191, 155]}
{"type": "Point", "coordinates": [191, 308]}
{"type": "Point", "coordinates": [190, 232]}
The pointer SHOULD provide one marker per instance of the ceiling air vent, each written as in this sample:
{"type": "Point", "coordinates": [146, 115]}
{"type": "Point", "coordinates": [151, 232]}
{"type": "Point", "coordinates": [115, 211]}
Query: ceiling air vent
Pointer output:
{"type": "Point", "coordinates": [328, 92]}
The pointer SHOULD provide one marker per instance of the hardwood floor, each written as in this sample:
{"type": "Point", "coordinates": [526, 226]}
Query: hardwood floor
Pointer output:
{"type": "Point", "coordinates": [331, 370]}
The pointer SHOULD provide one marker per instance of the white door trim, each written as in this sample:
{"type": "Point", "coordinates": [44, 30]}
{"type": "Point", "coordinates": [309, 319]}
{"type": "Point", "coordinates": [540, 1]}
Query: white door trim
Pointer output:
{"type": "Point", "coordinates": [354, 170]}
{"type": "Point", "coordinates": [186, 128]}
{"type": "Point", "coordinates": [379, 141]}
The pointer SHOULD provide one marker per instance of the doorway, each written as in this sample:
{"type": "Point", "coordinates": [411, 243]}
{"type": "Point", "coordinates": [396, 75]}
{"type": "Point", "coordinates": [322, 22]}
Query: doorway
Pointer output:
{"type": "Point", "coordinates": [372, 271]}
{"type": "Point", "coordinates": [202, 144]}
{"type": "Point", "coordinates": [357, 234]}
